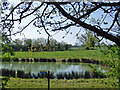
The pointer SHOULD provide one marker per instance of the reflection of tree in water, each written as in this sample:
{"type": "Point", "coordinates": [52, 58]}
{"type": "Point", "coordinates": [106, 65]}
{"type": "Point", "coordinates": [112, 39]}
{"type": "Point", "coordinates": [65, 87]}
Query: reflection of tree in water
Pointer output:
{"type": "Point", "coordinates": [48, 66]}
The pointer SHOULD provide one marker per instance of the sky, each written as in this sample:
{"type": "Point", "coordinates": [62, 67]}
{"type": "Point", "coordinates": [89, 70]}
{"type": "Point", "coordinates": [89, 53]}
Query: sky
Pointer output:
{"type": "Point", "coordinates": [31, 31]}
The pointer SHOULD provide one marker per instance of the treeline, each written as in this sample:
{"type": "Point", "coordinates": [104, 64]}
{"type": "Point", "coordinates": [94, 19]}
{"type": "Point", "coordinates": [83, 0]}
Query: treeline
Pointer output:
{"type": "Point", "coordinates": [40, 44]}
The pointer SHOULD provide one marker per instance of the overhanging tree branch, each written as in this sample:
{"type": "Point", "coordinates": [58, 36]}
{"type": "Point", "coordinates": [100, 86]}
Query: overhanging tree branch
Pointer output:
{"type": "Point", "coordinates": [12, 11]}
{"type": "Point", "coordinates": [24, 15]}
{"type": "Point", "coordinates": [57, 25]}
{"type": "Point", "coordinates": [64, 27]}
{"type": "Point", "coordinates": [108, 4]}
{"type": "Point", "coordinates": [90, 11]}
{"type": "Point", "coordinates": [25, 10]}
{"type": "Point", "coordinates": [23, 27]}
{"type": "Point", "coordinates": [92, 28]}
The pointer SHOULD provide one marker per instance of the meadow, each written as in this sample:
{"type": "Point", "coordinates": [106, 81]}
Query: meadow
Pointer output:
{"type": "Point", "coordinates": [88, 54]}
{"type": "Point", "coordinates": [55, 83]}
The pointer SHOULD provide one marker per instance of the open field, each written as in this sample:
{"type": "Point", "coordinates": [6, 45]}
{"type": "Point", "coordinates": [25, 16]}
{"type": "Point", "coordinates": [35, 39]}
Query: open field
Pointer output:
{"type": "Point", "coordinates": [88, 54]}
{"type": "Point", "coordinates": [55, 83]}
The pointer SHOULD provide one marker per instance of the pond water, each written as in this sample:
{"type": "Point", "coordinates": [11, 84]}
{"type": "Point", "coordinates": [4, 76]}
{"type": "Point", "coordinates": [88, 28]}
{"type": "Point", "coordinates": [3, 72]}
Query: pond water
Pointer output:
{"type": "Point", "coordinates": [56, 67]}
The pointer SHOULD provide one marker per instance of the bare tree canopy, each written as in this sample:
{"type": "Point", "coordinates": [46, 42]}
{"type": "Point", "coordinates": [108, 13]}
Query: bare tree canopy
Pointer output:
{"type": "Point", "coordinates": [56, 16]}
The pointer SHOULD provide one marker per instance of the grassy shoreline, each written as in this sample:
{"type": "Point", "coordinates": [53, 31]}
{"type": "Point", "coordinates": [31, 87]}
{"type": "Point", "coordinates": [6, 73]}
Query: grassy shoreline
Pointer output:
{"type": "Point", "coordinates": [88, 54]}
{"type": "Point", "coordinates": [85, 56]}
{"type": "Point", "coordinates": [61, 83]}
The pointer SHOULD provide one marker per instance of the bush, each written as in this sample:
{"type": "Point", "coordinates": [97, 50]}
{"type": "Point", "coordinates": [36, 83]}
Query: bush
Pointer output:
{"type": "Point", "coordinates": [7, 57]}
{"type": "Point", "coordinates": [91, 48]}
{"type": "Point", "coordinates": [87, 48]}
{"type": "Point", "coordinates": [87, 74]}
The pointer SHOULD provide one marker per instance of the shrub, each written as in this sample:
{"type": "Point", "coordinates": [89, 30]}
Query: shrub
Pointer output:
{"type": "Point", "coordinates": [87, 74]}
{"type": "Point", "coordinates": [91, 48]}
{"type": "Point", "coordinates": [7, 57]}
{"type": "Point", "coordinates": [87, 48]}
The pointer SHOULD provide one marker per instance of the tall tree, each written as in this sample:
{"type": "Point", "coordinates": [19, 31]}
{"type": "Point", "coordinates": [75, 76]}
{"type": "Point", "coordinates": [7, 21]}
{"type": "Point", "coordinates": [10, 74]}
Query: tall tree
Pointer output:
{"type": "Point", "coordinates": [17, 44]}
{"type": "Point", "coordinates": [27, 44]}
{"type": "Point", "coordinates": [6, 45]}
{"type": "Point", "coordinates": [88, 39]}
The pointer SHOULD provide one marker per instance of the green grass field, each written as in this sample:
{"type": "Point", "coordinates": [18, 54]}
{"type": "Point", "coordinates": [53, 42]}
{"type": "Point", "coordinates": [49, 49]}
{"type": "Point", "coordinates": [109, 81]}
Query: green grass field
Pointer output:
{"type": "Point", "coordinates": [89, 54]}
{"type": "Point", "coordinates": [55, 83]}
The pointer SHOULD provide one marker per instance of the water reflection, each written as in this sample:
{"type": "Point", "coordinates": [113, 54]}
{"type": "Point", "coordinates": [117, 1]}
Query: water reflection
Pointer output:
{"type": "Point", "coordinates": [56, 67]}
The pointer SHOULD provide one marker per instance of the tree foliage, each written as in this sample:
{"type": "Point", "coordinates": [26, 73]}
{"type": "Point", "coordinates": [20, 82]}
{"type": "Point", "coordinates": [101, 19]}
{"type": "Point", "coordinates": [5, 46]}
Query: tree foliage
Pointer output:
{"type": "Point", "coordinates": [88, 39]}
{"type": "Point", "coordinates": [6, 45]}
{"type": "Point", "coordinates": [55, 16]}
{"type": "Point", "coordinates": [39, 44]}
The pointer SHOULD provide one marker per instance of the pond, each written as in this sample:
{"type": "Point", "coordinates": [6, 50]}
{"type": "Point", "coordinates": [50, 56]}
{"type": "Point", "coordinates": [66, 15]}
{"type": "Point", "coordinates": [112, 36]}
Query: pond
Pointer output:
{"type": "Point", "coordinates": [55, 67]}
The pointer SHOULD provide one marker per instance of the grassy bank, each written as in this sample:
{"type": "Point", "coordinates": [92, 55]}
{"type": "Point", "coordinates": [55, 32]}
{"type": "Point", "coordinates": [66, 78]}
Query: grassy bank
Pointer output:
{"type": "Point", "coordinates": [55, 83]}
{"type": "Point", "coordinates": [88, 54]}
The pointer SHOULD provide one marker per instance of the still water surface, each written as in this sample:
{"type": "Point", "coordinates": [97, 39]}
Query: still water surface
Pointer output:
{"type": "Point", "coordinates": [56, 67]}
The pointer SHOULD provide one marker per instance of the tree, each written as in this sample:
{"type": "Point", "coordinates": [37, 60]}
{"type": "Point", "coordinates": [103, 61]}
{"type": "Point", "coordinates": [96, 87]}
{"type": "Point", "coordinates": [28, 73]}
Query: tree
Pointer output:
{"type": "Point", "coordinates": [88, 39]}
{"type": "Point", "coordinates": [17, 44]}
{"type": "Point", "coordinates": [76, 14]}
{"type": "Point", "coordinates": [6, 45]}
{"type": "Point", "coordinates": [27, 43]}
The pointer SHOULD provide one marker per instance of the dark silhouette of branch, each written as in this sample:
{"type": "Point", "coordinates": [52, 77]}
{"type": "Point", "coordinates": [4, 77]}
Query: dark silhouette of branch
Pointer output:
{"type": "Point", "coordinates": [12, 11]}
{"type": "Point", "coordinates": [25, 15]}
{"type": "Point", "coordinates": [25, 10]}
{"type": "Point", "coordinates": [65, 27]}
{"type": "Point", "coordinates": [115, 19]}
{"type": "Point", "coordinates": [92, 28]}
{"type": "Point", "coordinates": [107, 4]}
{"type": "Point", "coordinates": [76, 19]}
{"type": "Point", "coordinates": [90, 11]}
{"type": "Point", "coordinates": [23, 28]}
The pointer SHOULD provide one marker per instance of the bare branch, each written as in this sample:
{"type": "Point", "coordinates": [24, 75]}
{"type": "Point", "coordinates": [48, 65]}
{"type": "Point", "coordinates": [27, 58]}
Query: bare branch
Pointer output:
{"type": "Point", "coordinates": [25, 10]}
{"type": "Point", "coordinates": [99, 6]}
{"type": "Point", "coordinates": [44, 27]}
{"type": "Point", "coordinates": [67, 26]}
{"type": "Point", "coordinates": [25, 15]}
{"type": "Point", "coordinates": [108, 4]}
{"type": "Point", "coordinates": [23, 28]}
{"type": "Point", "coordinates": [115, 19]}
{"type": "Point", "coordinates": [89, 11]}
{"type": "Point", "coordinates": [92, 28]}
{"type": "Point", "coordinates": [12, 11]}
